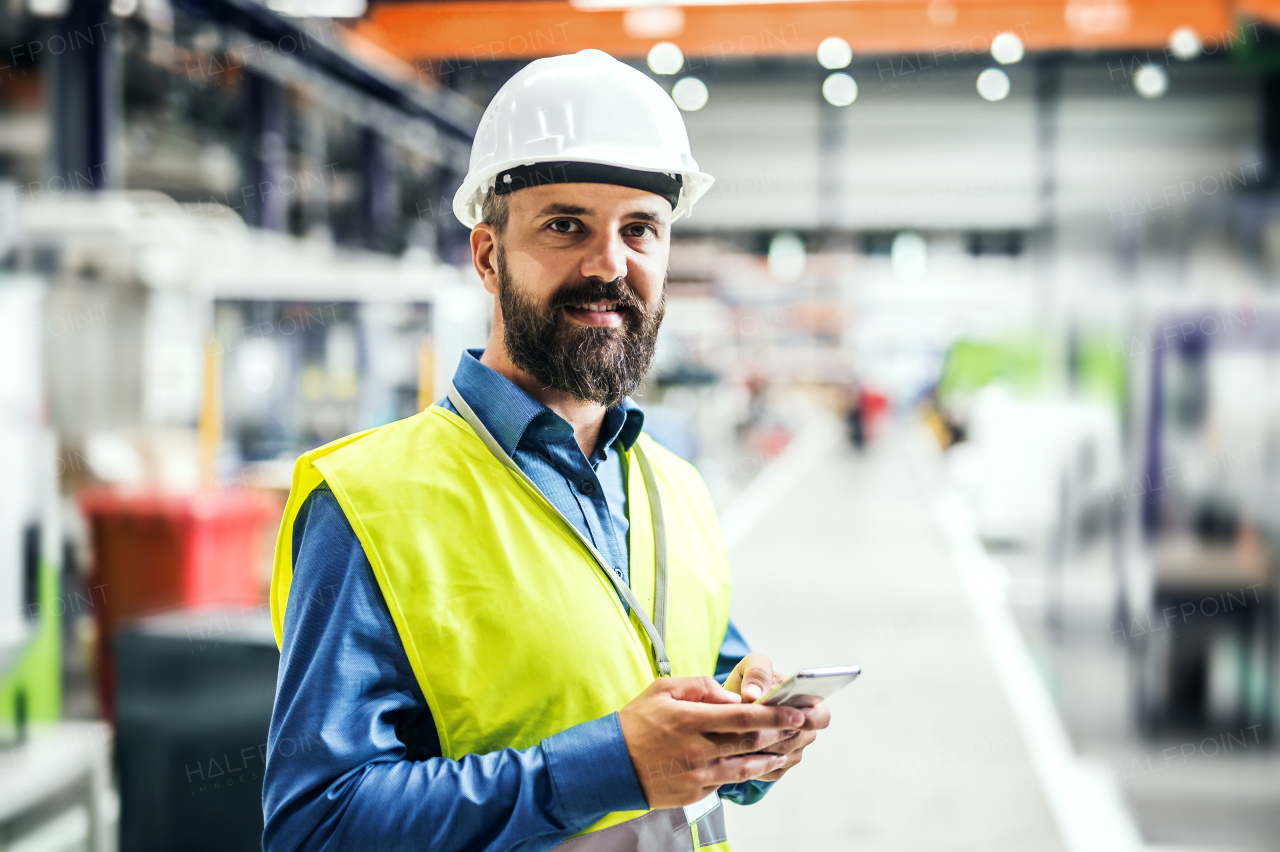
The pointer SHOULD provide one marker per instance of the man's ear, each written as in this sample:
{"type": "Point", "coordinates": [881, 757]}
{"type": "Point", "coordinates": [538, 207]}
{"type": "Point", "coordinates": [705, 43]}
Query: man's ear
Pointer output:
{"type": "Point", "coordinates": [484, 255]}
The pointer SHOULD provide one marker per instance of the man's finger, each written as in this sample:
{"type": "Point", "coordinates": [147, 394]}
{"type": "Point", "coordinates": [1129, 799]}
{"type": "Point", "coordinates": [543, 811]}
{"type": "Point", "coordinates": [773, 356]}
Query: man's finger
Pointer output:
{"type": "Point", "coordinates": [735, 770]}
{"type": "Point", "coordinates": [742, 718]}
{"type": "Point", "coordinates": [757, 676]}
{"type": "Point", "coordinates": [696, 689]}
{"type": "Point", "coordinates": [752, 677]}
{"type": "Point", "coordinates": [769, 740]}
{"type": "Point", "coordinates": [720, 695]}
{"type": "Point", "coordinates": [816, 718]}
{"type": "Point", "coordinates": [776, 775]}
{"type": "Point", "coordinates": [786, 745]}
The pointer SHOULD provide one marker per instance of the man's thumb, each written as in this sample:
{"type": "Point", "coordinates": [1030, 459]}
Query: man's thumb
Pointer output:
{"type": "Point", "coordinates": [755, 682]}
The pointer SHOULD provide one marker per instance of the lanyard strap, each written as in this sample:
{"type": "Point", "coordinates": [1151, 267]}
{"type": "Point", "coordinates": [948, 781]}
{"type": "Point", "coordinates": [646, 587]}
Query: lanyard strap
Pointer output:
{"type": "Point", "coordinates": [656, 632]}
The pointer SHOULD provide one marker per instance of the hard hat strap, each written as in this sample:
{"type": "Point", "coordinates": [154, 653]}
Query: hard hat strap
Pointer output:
{"type": "Point", "coordinates": [539, 174]}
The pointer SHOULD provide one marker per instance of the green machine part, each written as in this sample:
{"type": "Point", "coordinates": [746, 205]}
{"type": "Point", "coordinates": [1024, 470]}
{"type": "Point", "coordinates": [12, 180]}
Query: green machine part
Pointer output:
{"type": "Point", "coordinates": [973, 364]}
{"type": "Point", "coordinates": [1025, 363]}
{"type": "Point", "coordinates": [1102, 370]}
{"type": "Point", "coordinates": [31, 677]}
{"type": "Point", "coordinates": [34, 681]}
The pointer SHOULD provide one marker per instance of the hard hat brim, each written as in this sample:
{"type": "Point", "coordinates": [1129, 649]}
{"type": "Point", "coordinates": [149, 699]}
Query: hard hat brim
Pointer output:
{"type": "Point", "coordinates": [469, 199]}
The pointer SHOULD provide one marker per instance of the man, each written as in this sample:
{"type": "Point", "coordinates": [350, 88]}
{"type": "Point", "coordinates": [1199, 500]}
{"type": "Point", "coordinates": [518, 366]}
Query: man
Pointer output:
{"type": "Point", "coordinates": [504, 621]}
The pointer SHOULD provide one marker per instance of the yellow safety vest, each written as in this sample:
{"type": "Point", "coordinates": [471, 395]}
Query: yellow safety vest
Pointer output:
{"type": "Point", "coordinates": [510, 624]}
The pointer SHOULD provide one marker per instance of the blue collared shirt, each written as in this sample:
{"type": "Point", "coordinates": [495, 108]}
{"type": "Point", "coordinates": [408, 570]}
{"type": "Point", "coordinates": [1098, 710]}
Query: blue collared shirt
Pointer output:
{"type": "Point", "coordinates": [590, 492]}
{"type": "Point", "coordinates": [354, 761]}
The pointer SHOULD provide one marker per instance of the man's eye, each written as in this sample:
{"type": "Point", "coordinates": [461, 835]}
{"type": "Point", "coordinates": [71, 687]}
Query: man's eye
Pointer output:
{"type": "Point", "coordinates": [638, 231]}
{"type": "Point", "coordinates": [564, 226]}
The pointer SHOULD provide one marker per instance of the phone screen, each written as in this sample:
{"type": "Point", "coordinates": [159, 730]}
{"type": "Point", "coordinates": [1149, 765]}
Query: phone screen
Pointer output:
{"type": "Point", "coordinates": [809, 687]}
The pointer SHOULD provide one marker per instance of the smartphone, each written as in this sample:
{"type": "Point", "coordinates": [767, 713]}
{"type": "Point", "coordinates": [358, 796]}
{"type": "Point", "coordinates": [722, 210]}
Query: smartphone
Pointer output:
{"type": "Point", "coordinates": [808, 687]}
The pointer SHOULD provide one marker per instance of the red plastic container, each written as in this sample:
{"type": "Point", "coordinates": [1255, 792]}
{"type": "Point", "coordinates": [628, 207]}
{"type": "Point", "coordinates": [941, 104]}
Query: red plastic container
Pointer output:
{"type": "Point", "coordinates": [155, 552]}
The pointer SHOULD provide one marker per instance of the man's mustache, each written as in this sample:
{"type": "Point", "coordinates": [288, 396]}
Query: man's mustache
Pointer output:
{"type": "Point", "coordinates": [595, 290]}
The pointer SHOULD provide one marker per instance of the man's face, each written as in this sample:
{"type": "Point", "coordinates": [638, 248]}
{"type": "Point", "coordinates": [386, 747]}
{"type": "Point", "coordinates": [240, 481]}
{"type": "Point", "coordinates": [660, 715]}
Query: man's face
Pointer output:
{"type": "Point", "coordinates": [580, 275]}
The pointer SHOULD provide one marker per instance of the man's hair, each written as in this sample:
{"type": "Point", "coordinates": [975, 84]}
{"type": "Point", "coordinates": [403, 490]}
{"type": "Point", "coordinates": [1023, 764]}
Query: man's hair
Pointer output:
{"type": "Point", "coordinates": [495, 209]}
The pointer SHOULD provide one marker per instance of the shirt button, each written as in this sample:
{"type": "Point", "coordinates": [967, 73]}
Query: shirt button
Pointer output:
{"type": "Point", "coordinates": [586, 487]}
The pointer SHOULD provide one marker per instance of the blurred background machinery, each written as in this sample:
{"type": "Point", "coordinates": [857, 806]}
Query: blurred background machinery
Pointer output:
{"type": "Point", "coordinates": [196, 691]}
{"type": "Point", "coordinates": [1211, 432]}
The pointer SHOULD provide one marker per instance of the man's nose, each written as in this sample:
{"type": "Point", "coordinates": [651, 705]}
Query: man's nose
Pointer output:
{"type": "Point", "coordinates": [605, 258]}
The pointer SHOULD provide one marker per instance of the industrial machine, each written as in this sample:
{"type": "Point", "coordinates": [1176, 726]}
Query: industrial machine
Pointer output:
{"type": "Point", "coordinates": [28, 512]}
{"type": "Point", "coordinates": [1207, 607]}
{"type": "Point", "coordinates": [175, 291]}
{"type": "Point", "coordinates": [54, 777]}
{"type": "Point", "coordinates": [196, 691]}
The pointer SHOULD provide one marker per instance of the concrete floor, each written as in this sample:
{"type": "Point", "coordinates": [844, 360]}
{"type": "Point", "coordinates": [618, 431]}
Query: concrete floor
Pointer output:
{"type": "Point", "coordinates": [923, 752]}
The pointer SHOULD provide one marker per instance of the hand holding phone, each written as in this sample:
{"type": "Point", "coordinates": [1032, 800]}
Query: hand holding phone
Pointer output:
{"type": "Point", "coordinates": [688, 736]}
{"type": "Point", "coordinates": [808, 687]}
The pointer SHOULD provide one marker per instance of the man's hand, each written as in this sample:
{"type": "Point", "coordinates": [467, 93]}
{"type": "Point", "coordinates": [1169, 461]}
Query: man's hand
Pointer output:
{"type": "Point", "coordinates": [752, 678]}
{"type": "Point", "coordinates": [687, 737]}
{"type": "Point", "coordinates": [815, 719]}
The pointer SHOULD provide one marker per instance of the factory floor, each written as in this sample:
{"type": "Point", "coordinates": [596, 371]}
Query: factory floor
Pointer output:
{"type": "Point", "coordinates": [924, 753]}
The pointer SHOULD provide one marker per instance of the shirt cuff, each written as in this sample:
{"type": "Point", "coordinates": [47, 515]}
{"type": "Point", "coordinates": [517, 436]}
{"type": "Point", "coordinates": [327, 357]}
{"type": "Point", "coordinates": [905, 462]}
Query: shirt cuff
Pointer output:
{"type": "Point", "coordinates": [591, 772]}
{"type": "Point", "coordinates": [746, 793]}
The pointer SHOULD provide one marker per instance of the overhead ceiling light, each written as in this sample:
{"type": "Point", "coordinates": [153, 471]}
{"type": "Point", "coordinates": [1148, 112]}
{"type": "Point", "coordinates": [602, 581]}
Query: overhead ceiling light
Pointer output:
{"type": "Point", "coordinates": [834, 52]}
{"type": "Point", "coordinates": [319, 8]}
{"type": "Point", "coordinates": [690, 94]}
{"type": "Point", "coordinates": [993, 84]}
{"type": "Point", "coordinates": [654, 22]}
{"type": "Point", "coordinates": [1151, 81]}
{"type": "Point", "coordinates": [123, 8]}
{"type": "Point", "coordinates": [48, 8]}
{"type": "Point", "coordinates": [1096, 17]}
{"type": "Point", "coordinates": [942, 13]}
{"type": "Point", "coordinates": [336, 8]}
{"type": "Point", "coordinates": [665, 58]}
{"type": "Point", "coordinates": [909, 256]}
{"type": "Point", "coordinates": [1185, 43]}
{"type": "Point", "coordinates": [786, 258]}
{"type": "Point", "coordinates": [1006, 48]}
{"type": "Point", "coordinates": [840, 89]}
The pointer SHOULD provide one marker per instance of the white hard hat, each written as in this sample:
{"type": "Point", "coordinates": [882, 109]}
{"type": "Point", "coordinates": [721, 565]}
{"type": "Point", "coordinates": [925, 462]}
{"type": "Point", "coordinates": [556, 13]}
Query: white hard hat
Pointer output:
{"type": "Point", "coordinates": [584, 108]}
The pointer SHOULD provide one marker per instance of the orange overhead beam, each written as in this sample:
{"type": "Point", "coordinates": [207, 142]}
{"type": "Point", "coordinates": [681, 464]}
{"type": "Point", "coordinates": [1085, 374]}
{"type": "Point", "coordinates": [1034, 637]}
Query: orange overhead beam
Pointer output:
{"type": "Point", "coordinates": [1267, 11]}
{"type": "Point", "coordinates": [454, 35]}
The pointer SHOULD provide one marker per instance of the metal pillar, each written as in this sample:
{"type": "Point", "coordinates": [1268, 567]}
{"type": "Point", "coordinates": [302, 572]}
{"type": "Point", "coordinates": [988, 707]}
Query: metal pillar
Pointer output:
{"type": "Point", "coordinates": [1048, 99]}
{"type": "Point", "coordinates": [453, 239]}
{"type": "Point", "coordinates": [82, 98]}
{"type": "Point", "coordinates": [1270, 130]}
{"type": "Point", "coordinates": [832, 124]}
{"type": "Point", "coordinates": [380, 204]}
{"type": "Point", "coordinates": [265, 194]}
{"type": "Point", "coordinates": [1048, 82]}
{"type": "Point", "coordinates": [315, 184]}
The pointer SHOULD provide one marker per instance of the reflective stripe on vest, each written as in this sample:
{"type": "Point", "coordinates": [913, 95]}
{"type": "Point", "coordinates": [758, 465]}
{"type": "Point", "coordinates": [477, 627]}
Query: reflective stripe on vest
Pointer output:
{"type": "Point", "coordinates": [513, 630]}
{"type": "Point", "coordinates": [665, 830]}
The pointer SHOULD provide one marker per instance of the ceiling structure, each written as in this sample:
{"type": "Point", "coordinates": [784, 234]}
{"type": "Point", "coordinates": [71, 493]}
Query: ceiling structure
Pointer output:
{"type": "Point", "coordinates": [464, 32]}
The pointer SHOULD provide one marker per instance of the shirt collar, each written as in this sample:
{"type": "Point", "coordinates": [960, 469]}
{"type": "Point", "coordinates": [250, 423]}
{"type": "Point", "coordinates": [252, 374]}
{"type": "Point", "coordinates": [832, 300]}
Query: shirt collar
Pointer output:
{"type": "Point", "coordinates": [622, 424]}
{"type": "Point", "coordinates": [507, 411]}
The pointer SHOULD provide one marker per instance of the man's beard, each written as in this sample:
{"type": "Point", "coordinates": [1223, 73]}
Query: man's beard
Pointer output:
{"type": "Point", "coordinates": [592, 363]}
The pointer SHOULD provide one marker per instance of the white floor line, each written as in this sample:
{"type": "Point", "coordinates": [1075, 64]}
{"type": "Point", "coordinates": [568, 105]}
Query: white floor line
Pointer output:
{"type": "Point", "coordinates": [1084, 799]}
{"type": "Point", "coordinates": [777, 477]}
